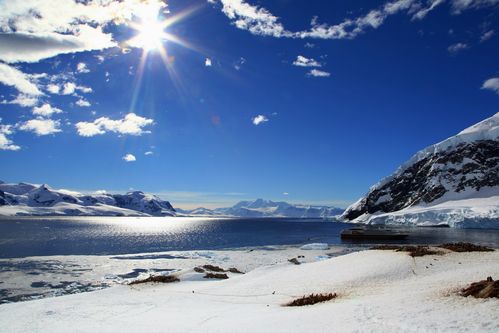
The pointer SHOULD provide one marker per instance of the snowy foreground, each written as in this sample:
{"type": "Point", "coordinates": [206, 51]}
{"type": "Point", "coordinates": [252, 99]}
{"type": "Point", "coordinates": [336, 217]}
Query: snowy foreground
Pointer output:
{"type": "Point", "coordinates": [379, 291]}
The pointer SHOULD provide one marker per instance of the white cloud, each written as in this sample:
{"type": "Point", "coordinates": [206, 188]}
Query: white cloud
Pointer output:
{"type": "Point", "coordinates": [40, 126]}
{"type": "Point", "coordinates": [259, 21]}
{"type": "Point", "coordinates": [100, 58]}
{"type": "Point", "coordinates": [83, 89]}
{"type": "Point", "coordinates": [81, 67]}
{"type": "Point", "coordinates": [148, 153]}
{"type": "Point", "coordinates": [285, 193]}
{"type": "Point", "coordinates": [23, 100]}
{"type": "Point", "coordinates": [53, 88]}
{"type": "Point", "coordinates": [259, 120]}
{"type": "Point", "coordinates": [302, 61]}
{"type": "Point", "coordinates": [46, 110]}
{"type": "Point", "coordinates": [131, 124]}
{"type": "Point", "coordinates": [129, 158]}
{"type": "Point", "coordinates": [33, 47]}
{"type": "Point", "coordinates": [492, 84]}
{"type": "Point", "coordinates": [5, 142]}
{"type": "Point", "coordinates": [33, 29]}
{"type": "Point", "coordinates": [89, 129]}
{"type": "Point", "coordinates": [83, 103]}
{"type": "Point", "coordinates": [207, 62]}
{"type": "Point", "coordinates": [309, 45]}
{"type": "Point", "coordinates": [318, 73]}
{"type": "Point", "coordinates": [487, 35]}
{"type": "Point", "coordinates": [421, 12]}
{"type": "Point", "coordinates": [69, 88]}
{"type": "Point", "coordinates": [459, 6]}
{"type": "Point", "coordinates": [455, 48]}
{"type": "Point", "coordinates": [13, 77]}
{"type": "Point", "coordinates": [239, 63]}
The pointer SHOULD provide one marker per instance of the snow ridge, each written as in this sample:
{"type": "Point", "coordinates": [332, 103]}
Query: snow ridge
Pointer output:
{"type": "Point", "coordinates": [268, 208]}
{"type": "Point", "coordinates": [29, 199]}
{"type": "Point", "coordinates": [460, 168]}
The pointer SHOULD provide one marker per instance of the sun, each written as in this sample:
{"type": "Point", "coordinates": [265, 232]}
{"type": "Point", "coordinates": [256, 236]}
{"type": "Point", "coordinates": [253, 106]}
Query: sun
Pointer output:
{"type": "Point", "coordinates": [151, 36]}
{"type": "Point", "coordinates": [150, 29]}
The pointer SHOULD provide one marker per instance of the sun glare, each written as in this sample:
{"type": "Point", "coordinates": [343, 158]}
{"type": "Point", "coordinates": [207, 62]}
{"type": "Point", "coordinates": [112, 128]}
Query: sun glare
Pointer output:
{"type": "Point", "coordinates": [151, 34]}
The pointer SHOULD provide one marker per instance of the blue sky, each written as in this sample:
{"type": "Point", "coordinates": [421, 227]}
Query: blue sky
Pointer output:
{"type": "Point", "coordinates": [303, 101]}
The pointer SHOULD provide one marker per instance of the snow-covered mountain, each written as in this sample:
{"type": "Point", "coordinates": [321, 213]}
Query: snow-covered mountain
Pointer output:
{"type": "Point", "coordinates": [29, 199]}
{"type": "Point", "coordinates": [454, 182]}
{"type": "Point", "coordinates": [267, 208]}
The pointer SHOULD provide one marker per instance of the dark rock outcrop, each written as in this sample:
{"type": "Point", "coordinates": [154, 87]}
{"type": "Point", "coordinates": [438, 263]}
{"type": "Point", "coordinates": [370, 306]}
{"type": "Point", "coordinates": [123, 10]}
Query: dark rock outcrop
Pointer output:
{"type": "Point", "coordinates": [472, 165]}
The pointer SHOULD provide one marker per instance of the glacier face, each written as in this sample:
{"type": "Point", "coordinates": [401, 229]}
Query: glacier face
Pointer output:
{"type": "Point", "coordinates": [455, 170]}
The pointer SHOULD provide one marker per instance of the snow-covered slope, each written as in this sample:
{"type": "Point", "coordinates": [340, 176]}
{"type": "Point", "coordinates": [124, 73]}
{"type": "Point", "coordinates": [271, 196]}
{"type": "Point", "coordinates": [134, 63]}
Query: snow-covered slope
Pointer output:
{"type": "Point", "coordinates": [29, 199]}
{"type": "Point", "coordinates": [455, 182]}
{"type": "Point", "coordinates": [267, 208]}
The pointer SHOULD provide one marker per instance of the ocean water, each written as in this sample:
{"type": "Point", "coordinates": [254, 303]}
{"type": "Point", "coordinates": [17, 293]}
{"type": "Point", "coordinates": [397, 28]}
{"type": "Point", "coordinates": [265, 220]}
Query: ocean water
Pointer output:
{"type": "Point", "coordinates": [23, 236]}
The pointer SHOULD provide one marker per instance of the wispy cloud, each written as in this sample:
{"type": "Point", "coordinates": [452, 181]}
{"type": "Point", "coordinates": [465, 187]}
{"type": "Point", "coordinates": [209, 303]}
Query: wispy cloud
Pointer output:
{"type": "Point", "coordinates": [487, 35]}
{"type": "Point", "coordinates": [129, 158]}
{"type": "Point", "coordinates": [13, 77]}
{"type": "Point", "coordinates": [33, 47]}
{"type": "Point", "coordinates": [492, 84]}
{"type": "Point", "coordinates": [302, 61]}
{"type": "Point", "coordinates": [260, 119]}
{"type": "Point", "coordinates": [422, 11]}
{"type": "Point", "coordinates": [260, 21]}
{"type": "Point", "coordinates": [318, 73]}
{"type": "Point", "coordinates": [455, 48]}
{"type": "Point", "coordinates": [83, 103]}
{"type": "Point", "coordinates": [458, 6]}
{"type": "Point", "coordinates": [131, 124]}
{"type": "Point", "coordinates": [239, 63]}
{"type": "Point", "coordinates": [81, 67]}
{"type": "Point", "coordinates": [5, 142]}
{"type": "Point", "coordinates": [23, 100]}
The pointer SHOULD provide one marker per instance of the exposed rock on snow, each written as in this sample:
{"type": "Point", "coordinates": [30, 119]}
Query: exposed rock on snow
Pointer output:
{"type": "Point", "coordinates": [454, 182]}
{"type": "Point", "coordinates": [29, 199]}
{"type": "Point", "coordinates": [378, 291]}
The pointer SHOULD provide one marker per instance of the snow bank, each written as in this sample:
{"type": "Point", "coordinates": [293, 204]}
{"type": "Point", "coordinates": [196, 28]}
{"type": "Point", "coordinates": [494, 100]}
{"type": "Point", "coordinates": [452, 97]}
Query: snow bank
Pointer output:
{"type": "Point", "coordinates": [379, 291]}
{"type": "Point", "coordinates": [467, 213]}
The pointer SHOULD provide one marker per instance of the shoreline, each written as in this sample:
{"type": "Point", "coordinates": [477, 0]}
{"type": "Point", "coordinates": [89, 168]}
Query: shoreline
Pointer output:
{"type": "Point", "coordinates": [58, 275]}
{"type": "Point", "coordinates": [381, 290]}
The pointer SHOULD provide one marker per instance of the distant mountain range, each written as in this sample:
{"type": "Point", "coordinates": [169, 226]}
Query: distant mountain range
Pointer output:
{"type": "Point", "coordinates": [267, 208]}
{"type": "Point", "coordinates": [28, 199]}
{"type": "Point", "coordinates": [25, 199]}
{"type": "Point", "coordinates": [454, 182]}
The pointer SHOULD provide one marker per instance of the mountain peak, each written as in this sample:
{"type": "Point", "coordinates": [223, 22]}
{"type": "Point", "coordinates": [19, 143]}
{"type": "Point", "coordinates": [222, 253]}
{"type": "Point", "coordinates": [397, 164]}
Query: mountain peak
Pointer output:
{"type": "Point", "coordinates": [461, 167]}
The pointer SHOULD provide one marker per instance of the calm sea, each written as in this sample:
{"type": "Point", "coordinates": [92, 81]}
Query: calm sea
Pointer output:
{"type": "Point", "coordinates": [20, 237]}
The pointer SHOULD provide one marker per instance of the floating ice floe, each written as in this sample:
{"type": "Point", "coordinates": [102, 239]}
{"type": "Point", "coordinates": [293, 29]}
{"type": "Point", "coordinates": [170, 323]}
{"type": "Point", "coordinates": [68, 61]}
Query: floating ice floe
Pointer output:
{"type": "Point", "coordinates": [315, 246]}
